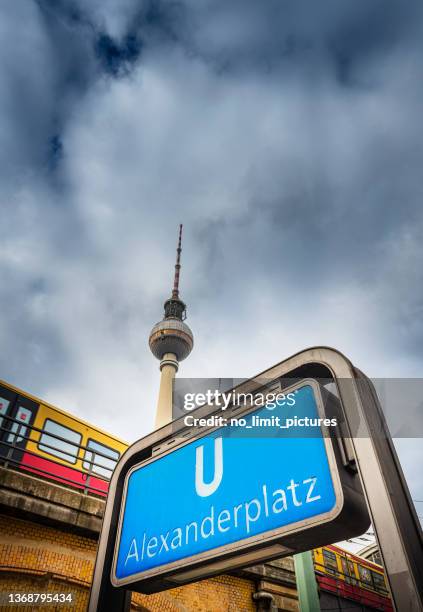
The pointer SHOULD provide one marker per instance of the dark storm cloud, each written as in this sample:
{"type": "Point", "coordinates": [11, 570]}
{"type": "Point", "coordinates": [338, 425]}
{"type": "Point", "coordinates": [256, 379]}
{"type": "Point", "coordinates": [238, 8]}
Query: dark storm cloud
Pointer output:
{"type": "Point", "coordinates": [247, 34]}
{"type": "Point", "coordinates": [117, 59]}
{"type": "Point", "coordinates": [285, 135]}
{"type": "Point", "coordinates": [44, 70]}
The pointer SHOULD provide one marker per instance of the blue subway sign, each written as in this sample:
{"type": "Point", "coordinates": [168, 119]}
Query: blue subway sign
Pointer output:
{"type": "Point", "coordinates": [229, 492]}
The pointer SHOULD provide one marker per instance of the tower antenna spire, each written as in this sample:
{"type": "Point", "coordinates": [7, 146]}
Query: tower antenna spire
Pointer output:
{"type": "Point", "coordinates": [175, 292]}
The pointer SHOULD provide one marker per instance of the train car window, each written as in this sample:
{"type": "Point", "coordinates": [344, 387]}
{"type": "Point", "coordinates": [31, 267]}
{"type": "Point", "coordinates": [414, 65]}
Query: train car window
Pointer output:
{"type": "Point", "coordinates": [365, 575]}
{"type": "Point", "coordinates": [23, 416]}
{"type": "Point", "coordinates": [50, 444]}
{"type": "Point", "coordinates": [345, 569]}
{"type": "Point", "coordinates": [379, 582]}
{"type": "Point", "coordinates": [330, 561]}
{"type": "Point", "coordinates": [94, 462]}
{"type": "Point", "coordinates": [352, 572]}
{"type": "Point", "coordinates": [4, 405]}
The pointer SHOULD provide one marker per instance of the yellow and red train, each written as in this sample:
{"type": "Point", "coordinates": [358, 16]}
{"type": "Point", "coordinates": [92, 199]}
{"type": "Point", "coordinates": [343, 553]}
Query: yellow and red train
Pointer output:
{"type": "Point", "coordinates": [40, 438]}
{"type": "Point", "coordinates": [351, 577]}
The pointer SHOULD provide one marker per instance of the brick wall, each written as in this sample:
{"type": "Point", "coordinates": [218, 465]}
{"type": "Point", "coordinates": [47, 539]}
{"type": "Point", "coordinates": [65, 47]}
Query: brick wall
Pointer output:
{"type": "Point", "coordinates": [38, 558]}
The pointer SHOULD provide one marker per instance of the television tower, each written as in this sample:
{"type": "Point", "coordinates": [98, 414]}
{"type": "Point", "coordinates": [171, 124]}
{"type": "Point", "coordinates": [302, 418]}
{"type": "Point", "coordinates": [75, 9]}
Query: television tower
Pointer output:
{"type": "Point", "coordinates": [171, 341]}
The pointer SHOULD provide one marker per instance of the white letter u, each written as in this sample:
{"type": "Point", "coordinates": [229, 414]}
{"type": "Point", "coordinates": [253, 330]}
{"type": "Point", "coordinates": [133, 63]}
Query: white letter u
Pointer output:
{"type": "Point", "coordinates": [205, 489]}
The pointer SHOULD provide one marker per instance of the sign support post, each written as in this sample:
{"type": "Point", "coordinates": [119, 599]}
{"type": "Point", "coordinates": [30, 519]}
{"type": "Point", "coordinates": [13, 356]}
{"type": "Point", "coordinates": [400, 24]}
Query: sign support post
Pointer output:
{"type": "Point", "coordinates": [308, 594]}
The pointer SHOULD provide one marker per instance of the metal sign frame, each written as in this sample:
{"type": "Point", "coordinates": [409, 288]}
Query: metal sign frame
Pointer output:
{"type": "Point", "coordinates": [269, 537]}
{"type": "Point", "coordinates": [394, 519]}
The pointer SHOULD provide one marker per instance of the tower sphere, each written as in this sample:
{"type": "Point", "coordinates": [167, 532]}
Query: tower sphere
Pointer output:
{"type": "Point", "coordinates": [171, 336]}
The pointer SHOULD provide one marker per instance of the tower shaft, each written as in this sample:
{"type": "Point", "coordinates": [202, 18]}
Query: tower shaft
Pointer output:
{"type": "Point", "coordinates": [168, 368]}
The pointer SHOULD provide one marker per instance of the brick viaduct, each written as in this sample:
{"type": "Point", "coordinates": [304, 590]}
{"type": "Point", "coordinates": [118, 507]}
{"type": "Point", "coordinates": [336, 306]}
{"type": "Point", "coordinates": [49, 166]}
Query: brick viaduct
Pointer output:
{"type": "Point", "coordinates": [48, 540]}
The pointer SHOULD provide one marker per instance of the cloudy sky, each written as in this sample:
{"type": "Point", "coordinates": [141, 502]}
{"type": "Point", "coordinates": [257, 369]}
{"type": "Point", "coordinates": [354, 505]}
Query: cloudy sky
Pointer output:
{"type": "Point", "coordinates": [288, 139]}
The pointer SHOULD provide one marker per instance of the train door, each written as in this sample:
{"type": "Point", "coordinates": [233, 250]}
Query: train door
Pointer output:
{"type": "Point", "coordinates": [17, 414]}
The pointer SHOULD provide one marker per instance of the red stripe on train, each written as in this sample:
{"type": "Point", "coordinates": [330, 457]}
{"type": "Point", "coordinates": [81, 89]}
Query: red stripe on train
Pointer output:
{"type": "Point", "coordinates": [356, 593]}
{"type": "Point", "coordinates": [61, 473]}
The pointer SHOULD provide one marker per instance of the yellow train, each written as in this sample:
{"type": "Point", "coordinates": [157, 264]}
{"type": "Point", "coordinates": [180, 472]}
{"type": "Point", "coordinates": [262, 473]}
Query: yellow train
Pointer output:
{"type": "Point", "coordinates": [349, 576]}
{"type": "Point", "coordinates": [40, 438]}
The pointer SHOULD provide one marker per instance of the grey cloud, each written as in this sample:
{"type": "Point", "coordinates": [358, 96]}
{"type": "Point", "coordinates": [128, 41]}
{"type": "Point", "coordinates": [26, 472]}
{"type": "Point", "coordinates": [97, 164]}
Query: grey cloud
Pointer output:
{"type": "Point", "coordinates": [287, 140]}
